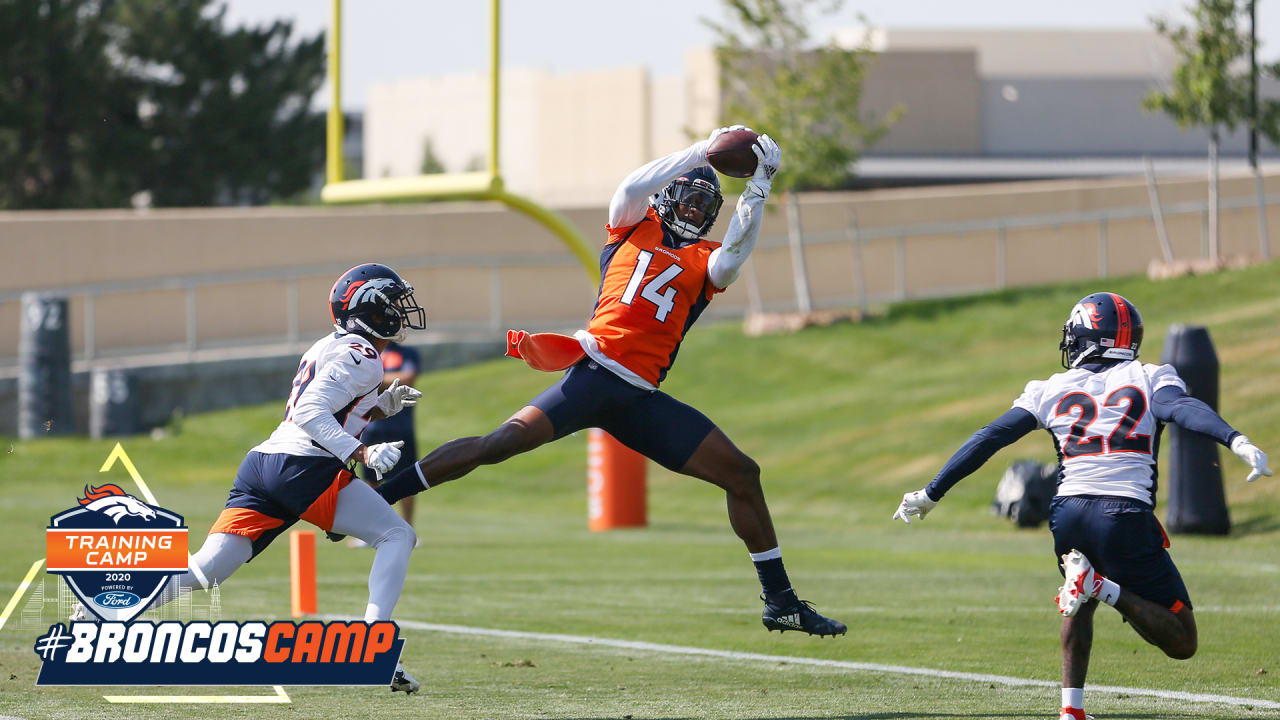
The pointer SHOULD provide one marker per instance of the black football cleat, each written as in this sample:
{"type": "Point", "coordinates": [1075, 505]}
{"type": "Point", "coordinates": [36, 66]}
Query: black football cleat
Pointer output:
{"type": "Point", "coordinates": [403, 682]}
{"type": "Point", "coordinates": [787, 612]}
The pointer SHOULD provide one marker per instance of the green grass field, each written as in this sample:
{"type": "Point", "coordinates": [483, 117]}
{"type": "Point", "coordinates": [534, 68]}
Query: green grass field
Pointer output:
{"type": "Point", "coordinates": [843, 420]}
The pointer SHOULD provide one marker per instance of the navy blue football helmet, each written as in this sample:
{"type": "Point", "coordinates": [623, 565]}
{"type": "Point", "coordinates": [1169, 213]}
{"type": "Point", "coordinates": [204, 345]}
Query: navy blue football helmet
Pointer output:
{"type": "Point", "coordinates": [372, 300]}
{"type": "Point", "coordinates": [1102, 326]}
{"type": "Point", "coordinates": [698, 189]}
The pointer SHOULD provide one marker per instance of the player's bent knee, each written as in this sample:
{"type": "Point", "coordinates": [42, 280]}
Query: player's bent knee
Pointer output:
{"type": "Point", "coordinates": [398, 535]}
{"type": "Point", "coordinates": [1182, 651]}
{"type": "Point", "coordinates": [743, 477]}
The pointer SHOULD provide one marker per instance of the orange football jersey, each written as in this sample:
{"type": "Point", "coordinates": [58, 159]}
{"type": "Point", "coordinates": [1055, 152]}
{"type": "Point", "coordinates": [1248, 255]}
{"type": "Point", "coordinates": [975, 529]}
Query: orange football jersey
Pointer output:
{"type": "Point", "coordinates": [650, 295]}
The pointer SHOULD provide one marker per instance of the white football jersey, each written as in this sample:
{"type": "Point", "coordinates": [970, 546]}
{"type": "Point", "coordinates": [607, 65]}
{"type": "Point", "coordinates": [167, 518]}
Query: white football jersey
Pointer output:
{"type": "Point", "coordinates": [340, 376]}
{"type": "Point", "coordinates": [1102, 426]}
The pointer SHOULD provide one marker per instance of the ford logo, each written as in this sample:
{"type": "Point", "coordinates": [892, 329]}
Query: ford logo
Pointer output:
{"type": "Point", "coordinates": [116, 599]}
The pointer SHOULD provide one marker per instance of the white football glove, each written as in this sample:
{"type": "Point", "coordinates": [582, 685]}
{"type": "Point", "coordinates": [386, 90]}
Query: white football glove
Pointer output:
{"type": "Point", "coordinates": [1250, 453]}
{"type": "Point", "coordinates": [382, 457]}
{"type": "Point", "coordinates": [397, 397]}
{"type": "Point", "coordinates": [768, 159]}
{"type": "Point", "coordinates": [914, 504]}
{"type": "Point", "coordinates": [720, 131]}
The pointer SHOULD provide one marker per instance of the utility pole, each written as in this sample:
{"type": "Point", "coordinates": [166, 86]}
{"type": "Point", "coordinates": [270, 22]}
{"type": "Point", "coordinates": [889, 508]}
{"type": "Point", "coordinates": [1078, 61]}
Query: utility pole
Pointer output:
{"type": "Point", "coordinates": [1264, 239]}
{"type": "Point", "coordinates": [1253, 84]}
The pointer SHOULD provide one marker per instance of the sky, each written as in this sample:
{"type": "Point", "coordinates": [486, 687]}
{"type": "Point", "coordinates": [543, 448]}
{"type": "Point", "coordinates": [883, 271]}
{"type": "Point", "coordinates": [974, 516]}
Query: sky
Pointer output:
{"type": "Point", "coordinates": [385, 40]}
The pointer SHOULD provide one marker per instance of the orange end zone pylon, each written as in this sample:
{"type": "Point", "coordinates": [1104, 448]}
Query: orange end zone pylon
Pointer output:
{"type": "Point", "coordinates": [302, 572]}
{"type": "Point", "coordinates": [615, 484]}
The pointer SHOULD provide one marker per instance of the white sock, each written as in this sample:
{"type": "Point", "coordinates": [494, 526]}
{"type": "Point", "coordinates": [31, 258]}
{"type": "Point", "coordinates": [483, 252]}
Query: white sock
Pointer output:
{"type": "Point", "coordinates": [390, 565]}
{"type": "Point", "coordinates": [771, 554]}
{"type": "Point", "coordinates": [1073, 698]}
{"type": "Point", "coordinates": [1106, 591]}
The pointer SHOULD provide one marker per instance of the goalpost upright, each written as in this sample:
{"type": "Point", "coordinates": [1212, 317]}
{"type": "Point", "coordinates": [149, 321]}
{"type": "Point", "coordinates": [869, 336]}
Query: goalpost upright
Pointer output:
{"type": "Point", "coordinates": [480, 185]}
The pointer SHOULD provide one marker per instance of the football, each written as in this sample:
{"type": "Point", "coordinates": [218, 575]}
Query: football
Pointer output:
{"type": "Point", "coordinates": [730, 153]}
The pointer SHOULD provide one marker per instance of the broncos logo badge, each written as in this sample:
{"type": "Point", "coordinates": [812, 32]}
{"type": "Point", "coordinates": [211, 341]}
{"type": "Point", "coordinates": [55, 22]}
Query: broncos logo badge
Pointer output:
{"type": "Point", "coordinates": [358, 292]}
{"type": "Point", "coordinates": [1085, 314]}
{"type": "Point", "coordinates": [115, 503]}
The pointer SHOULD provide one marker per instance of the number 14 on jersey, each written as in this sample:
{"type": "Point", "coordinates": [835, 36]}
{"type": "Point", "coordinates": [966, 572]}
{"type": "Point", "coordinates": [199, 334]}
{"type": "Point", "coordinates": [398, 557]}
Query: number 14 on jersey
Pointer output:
{"type": "Point", "coordinates": [654, 292]}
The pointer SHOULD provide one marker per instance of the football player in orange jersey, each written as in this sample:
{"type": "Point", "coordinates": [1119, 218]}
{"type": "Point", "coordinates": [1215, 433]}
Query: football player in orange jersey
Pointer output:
{"type": "Point", "coordinates": [658, 273]}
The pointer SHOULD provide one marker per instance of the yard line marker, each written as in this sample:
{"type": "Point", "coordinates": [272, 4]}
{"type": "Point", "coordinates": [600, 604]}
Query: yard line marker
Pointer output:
{"type": "Point", "coordinates": [818, 662]}
{"type": "Point", "coordinates": [22, 589]}
{"type": "Point", "coordinates": [279, 698]}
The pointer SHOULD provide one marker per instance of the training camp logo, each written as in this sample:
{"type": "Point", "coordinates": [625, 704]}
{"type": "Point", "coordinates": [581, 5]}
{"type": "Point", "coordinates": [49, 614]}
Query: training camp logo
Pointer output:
{"type": "Point", "coordinates": [117, 554]}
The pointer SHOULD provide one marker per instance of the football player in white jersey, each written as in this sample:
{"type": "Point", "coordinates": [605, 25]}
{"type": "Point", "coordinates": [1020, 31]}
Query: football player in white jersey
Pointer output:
{"type": "Point", "coordinates": [1104, 414]}
{"type": "Point", "coordinates": [300, 472]}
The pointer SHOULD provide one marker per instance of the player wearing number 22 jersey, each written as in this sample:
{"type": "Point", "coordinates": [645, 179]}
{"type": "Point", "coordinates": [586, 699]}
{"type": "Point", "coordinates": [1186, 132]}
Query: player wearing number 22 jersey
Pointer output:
{"type": "Point", "coordinates": [658, 273]}
{"type": "Point", "coordinates": [1105, 415]}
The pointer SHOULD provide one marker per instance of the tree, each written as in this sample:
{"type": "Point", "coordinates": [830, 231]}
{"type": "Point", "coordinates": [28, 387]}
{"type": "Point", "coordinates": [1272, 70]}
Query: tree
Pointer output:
{"type": "Point", "coordinates": [69, 126]}
{"type": "Point", "coordinates": [232, 122]}
{"type": "Point", "coordinates": [807, 98]}
{"type": "Point", "coordinates": [117, 97]}
{"type": "Point", "coordinates": [1206, 90]}
{"type": "Point", "coordinates": [431, 164]}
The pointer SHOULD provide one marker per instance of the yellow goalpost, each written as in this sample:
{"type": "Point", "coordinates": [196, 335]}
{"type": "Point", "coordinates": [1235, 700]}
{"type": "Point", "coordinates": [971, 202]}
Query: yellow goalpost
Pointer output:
{"type": "Point", "coordinates": [481, 185]}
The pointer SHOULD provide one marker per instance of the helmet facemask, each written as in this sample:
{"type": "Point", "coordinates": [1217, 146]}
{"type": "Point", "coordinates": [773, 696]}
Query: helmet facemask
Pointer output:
{"type": "Point", "coordinates": [391, 318]}
{"type": "Point", "coordinates": [697, 194]}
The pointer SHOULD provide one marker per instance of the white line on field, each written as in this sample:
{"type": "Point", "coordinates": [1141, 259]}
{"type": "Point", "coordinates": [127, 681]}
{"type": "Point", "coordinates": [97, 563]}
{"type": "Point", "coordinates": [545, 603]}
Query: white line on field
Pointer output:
{"type": "Point", "coordinates": [279, 698]}
{"type": "Point", "coordinates": [817, 662]}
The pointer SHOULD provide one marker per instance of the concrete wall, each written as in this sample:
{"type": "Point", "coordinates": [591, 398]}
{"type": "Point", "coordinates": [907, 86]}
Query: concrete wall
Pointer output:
{"type": "Point", "coordinates": [481, 268]}
{"type": "Point", "coordinates": [163, 390]}
{"type": "Point", "coordinates": [445, 251]}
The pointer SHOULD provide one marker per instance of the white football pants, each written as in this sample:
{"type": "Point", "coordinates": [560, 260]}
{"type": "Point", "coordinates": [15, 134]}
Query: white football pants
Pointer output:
{"type": "Point", "coordinates": [360, 513]}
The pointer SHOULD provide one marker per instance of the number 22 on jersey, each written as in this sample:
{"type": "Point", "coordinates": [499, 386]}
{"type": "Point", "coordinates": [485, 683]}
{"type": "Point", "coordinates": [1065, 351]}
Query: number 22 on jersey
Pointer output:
{"type": "Point", "coordinates": [654, 292]}
{"type": "Point", "coordinates": [1122, 438]}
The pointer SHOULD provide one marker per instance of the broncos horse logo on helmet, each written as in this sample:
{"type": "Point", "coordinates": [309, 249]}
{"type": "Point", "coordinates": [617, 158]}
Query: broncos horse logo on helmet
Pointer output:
{"type": "Point", "coordinates": [697, 190]}
{"type": "Point", "coordinates": [115, 503]}
{"type": "Point", "coordinates": [374, 301]}
{"type": "Point", "coordinates": [1102, 326]}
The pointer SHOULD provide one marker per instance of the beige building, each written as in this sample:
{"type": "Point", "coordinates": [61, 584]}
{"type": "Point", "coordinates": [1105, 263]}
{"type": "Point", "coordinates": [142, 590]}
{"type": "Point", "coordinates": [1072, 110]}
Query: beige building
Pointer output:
{"type": "Point", "coordinates": [568, 139]}
{"type": "Point", "coordinates": [565, 139]}
{"type": "Point", "coordinates": [979, 105]}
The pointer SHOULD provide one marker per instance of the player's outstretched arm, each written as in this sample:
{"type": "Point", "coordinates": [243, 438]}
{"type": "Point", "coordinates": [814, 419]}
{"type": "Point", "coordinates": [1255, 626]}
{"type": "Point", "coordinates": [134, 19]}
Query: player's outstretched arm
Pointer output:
{"type": "Point", "coordinates": [1172, 404]}
{"type": "Point", "coordinates": [740, 239]}
{"type": "Point", "coordinates": [1003, 431]}
{"type": "Point", "coordinates": [631, 199]}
